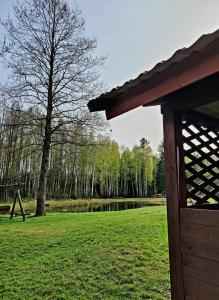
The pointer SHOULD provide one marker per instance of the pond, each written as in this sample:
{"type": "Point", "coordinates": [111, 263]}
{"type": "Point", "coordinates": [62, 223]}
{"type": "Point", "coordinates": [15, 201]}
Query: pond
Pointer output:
{"type": "Point", "coordinates": [100, 207]}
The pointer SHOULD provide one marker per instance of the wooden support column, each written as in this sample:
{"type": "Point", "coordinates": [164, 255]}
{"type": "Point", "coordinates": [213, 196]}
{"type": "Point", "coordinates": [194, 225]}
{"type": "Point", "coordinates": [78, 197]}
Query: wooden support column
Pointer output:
{"type": "Point", "coordinates": [173, 202]}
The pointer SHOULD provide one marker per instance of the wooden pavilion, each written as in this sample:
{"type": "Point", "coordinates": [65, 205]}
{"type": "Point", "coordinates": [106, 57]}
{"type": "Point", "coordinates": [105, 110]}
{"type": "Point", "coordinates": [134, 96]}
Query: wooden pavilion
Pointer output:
{"type": "Point", "coordinates": [187, 88]}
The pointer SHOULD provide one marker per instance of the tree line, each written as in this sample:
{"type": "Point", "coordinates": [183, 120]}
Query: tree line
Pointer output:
{"type": "Point", "coordinates": [91, 166]}
{"type": "Point", "coordinates": [48, 139]}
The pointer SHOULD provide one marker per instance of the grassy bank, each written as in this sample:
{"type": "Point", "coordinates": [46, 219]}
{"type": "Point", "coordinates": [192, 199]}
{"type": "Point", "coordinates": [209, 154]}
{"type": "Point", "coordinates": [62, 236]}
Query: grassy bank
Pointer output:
{"type": "Point", "coordinates": [113, 255]}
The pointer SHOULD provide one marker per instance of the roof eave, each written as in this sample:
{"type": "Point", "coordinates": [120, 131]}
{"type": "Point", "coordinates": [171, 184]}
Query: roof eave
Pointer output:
{"type": "Point", "coordinates": [200, 61]}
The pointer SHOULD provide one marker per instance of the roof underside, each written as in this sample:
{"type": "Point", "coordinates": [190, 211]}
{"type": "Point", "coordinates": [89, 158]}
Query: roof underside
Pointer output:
{"type": "Point", "coordinates": [185, 67]}
{"type": "Point", "coordinates": [210, 109]}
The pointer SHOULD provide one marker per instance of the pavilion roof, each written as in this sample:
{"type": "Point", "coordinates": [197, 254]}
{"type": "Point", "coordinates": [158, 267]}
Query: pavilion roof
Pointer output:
{"type": "Point", "coordinates": [184, 67]}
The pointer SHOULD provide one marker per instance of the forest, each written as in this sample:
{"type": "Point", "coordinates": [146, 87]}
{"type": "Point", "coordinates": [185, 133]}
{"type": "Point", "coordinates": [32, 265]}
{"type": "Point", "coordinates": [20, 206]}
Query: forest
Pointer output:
{"type": "Point", "coordinates": [91, 166]}
{"type": "Point", "coordinates": [49, 141]}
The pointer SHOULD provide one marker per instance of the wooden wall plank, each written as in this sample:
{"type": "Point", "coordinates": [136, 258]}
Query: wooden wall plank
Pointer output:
{"type": "Point", "coordinates": [199, 290]}
{"type": "Point", "coordinates": [199, 232]}
{"type": "Point", "coordinates": [202, 297]}
{"type": "Point", "coordinates": [202, 269]}
{"type": "Point", "coordinates": [201, 248]}
{"type": "Point", "coordinates": [202, 272]}
{"type": "Point", "coordinates": [200, 216]}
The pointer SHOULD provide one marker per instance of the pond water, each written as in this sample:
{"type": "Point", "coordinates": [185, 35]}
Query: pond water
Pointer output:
{"type": "Point", "coordinates": [112, 206]}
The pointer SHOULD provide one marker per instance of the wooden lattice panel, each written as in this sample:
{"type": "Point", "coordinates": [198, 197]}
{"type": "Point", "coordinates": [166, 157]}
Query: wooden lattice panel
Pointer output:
{"type": "Point", "coordinates": [201, 152]}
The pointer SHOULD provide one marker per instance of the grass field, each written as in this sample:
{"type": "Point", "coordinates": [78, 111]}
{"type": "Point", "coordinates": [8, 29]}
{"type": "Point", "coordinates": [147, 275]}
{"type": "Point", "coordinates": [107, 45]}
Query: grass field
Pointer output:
{"type": "Point", "coordinates": [111, 255]}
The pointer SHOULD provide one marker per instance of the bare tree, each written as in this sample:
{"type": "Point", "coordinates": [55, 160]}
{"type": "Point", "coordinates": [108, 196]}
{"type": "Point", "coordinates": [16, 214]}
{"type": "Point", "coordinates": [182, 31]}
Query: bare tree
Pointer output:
{"type": "Point", "coordinates": [2, 49]}
{"type": "Point", "coordinates": [53, 68]}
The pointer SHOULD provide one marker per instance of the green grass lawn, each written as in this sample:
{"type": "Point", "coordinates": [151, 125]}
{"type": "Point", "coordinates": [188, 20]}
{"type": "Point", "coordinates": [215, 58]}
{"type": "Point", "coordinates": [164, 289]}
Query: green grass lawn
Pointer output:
{"type": "Point", "coordinates": [111, 255]}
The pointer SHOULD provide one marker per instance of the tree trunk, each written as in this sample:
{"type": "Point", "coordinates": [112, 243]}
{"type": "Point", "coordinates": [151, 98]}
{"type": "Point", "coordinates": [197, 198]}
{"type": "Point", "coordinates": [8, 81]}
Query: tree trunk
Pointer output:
{"type": "Point", "coordinates": [41, 195]}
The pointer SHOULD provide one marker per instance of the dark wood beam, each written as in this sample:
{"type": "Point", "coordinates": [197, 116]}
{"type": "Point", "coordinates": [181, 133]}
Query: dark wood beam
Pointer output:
{"type": "Point", "coordinates": [180, 159]}
{"type": "Point", "coordinates": [200, 93]}
{"type": "Point", "coordinates": [202, 119]}
{"type": "Point", "coordinates": [173, 205]}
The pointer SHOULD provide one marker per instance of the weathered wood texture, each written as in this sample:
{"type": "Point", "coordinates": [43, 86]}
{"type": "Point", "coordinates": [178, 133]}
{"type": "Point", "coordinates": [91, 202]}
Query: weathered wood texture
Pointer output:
{"type": "Point", "coordinates": [173, 205]}
{"type": "Point", "coordinates": [200, 252]}
{"type": "Point", "coordinates": [199, 290]}
{"type": "Point", "coordinates": [200, 216]}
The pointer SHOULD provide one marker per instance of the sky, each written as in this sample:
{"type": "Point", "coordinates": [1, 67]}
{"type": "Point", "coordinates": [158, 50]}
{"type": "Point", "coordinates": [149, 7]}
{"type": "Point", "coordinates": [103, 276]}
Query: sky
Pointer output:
{"type": "Point", "coordinates": [135, 35]}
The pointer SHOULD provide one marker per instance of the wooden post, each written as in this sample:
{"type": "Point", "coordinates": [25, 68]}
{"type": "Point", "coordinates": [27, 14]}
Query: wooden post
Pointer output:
{"type": "Point", "coordinates": [18, 195]}
{"type": "Point", "coordinates": [173, 204]}
{"type": "Point", "coordinates": [20, 203]}
{"type": "Point", "coordinates": [14, 203]}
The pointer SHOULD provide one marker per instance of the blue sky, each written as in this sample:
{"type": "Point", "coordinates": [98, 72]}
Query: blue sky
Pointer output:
{"type": "Point", "coordinates": [136, 35]}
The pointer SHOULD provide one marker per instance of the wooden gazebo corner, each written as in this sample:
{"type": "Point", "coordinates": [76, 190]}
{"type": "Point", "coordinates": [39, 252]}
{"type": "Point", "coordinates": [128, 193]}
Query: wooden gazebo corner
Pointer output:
{"type": "Point", "coordinates": [187, 88]}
